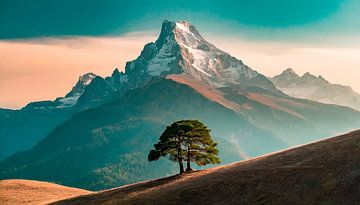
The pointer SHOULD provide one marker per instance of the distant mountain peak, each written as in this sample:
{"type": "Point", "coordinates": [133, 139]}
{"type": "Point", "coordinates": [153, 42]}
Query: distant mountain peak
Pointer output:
{"type": "Point", "coordinates": [116, 73]}
{"type": "Point", "coordinates": [316, 88]}
{"type": "Point", "coordinates": [308, 75]}
{"type": "Point", "coordinates": [116, 70]}
{"type": "Point", "coordinates": [312, 79]}
{"type": "Point", "coordinates": [289, 71]}
{"type": "Point", "coordinates": [87, 78]}
{"type": "Point", "coordinates": [287, 77]}
{"type": "Point", "coordinates": [84, 80]}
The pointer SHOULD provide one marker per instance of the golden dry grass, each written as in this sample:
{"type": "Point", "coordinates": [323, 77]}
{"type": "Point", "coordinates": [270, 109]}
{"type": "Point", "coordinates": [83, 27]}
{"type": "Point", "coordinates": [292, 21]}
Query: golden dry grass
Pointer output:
{"type": "Point", "coordinates": [29, 192]}
{"type": "Point", "coordinates": [324, 172]}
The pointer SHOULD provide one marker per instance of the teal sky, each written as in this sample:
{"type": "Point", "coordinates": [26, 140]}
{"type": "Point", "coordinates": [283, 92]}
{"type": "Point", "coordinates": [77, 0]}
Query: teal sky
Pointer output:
{"type": "Point", "coordinates": [38, 63]}
{"type": "Point", "coordinates": [259, 19]}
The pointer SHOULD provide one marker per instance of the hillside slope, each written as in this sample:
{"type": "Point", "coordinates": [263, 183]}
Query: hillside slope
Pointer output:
{"type": "Point", "coordinates": [22, 129]}
{"type": "Point", "coordinates": [112, 141]}
{"type": "Point", "coordinates": [27, 192]}
{"type": "Point", "coordinates": [324, 172]}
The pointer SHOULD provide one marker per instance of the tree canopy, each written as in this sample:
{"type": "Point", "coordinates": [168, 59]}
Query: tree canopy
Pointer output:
{"type": "Point", "coordinates": [186, 140]}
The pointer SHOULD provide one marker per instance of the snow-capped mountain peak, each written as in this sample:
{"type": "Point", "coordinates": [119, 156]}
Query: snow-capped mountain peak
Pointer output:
{"type": "Point", "coordinates": [180, 52]}
{"type": "Point", "coordinates": [187, 35]}
{"type": "Point", "coordinates": [181, 49]}
{"type": "Point", "coordinates": [203, 57]}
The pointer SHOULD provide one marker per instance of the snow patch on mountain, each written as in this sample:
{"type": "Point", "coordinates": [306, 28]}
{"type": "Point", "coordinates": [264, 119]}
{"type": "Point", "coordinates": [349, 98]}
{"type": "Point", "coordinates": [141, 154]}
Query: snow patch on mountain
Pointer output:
{"type": "Point", "coordinates": [67, 102]}
{"type": "Point", "coordinates": [207, 63]}
{"type": "Point", "coordinates": [81, 84]}
{"type": "Point", "coordinates": [161, 63]}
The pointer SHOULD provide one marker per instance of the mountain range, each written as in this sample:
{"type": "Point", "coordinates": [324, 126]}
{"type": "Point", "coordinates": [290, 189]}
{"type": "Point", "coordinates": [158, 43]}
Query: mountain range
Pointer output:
{"type": "Point", "coordinates": [22, 129]}
{"type": "Point", "coordinates": [114, 121]}
{"type": "Point", "coordinates": [316, 88]}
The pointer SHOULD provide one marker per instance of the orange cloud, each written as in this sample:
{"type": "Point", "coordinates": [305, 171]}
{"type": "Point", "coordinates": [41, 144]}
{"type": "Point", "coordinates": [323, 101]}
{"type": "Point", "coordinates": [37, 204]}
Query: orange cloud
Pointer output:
{"type": "Point", "coordinates": [42, 69]}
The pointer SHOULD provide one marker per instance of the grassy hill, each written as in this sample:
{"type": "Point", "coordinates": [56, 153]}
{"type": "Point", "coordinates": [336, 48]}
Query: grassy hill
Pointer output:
{"type": "Point", "coordinates": [27, 192]}
{"type": "Point", "coordinates": [323, 172]}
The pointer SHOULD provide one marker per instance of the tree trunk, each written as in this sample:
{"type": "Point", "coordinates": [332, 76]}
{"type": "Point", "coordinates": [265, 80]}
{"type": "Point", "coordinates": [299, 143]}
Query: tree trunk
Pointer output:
{"type": "Point", "coordinates": [188, 165]}
{"type": "Point", "coordinates": [188, 168]}
{"type": "Point", "coordinates": [180, 162]}
{"type": "Point", "coordinates": [181, 166]}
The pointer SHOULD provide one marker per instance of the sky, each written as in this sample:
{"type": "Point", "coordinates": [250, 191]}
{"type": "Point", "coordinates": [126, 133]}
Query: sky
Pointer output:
{"type": "Point", "coordinates": [45, 45]}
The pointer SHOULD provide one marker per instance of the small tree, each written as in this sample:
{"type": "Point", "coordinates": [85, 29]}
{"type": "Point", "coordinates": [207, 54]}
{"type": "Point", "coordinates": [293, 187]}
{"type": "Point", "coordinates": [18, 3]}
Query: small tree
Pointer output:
{"type": "Point", "coordinates": [186, 140]}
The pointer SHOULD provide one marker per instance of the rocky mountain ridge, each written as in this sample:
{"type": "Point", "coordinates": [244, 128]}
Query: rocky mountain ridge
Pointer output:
{"type": "Point", "coordinates": [316, 88]}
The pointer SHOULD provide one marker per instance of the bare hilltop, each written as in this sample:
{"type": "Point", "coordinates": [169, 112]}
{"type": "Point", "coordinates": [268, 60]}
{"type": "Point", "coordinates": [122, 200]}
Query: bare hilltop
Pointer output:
{"type": "Point", "coordinates": [31, 192]}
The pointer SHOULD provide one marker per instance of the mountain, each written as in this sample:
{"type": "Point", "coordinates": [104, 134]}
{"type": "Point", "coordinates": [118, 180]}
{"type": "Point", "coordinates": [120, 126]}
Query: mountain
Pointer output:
{"type": "Point", "coordinates": [324, 172]}
{"type": "Point", "coordinates": [28, 192]}
{"type": "Point", "coordinates": [315, 88]}
{"type": "Point", "coordinates": [101, 90]}
{"type": "Point", "coordinates": [80, 86]}
{"type": "Point", "coordinates": [180, 49]}
{"type": "Point", "coordinates": [179, 76]}
{"type": "Point", "coordinates": [22, 129]}
{"type": "Point", "coordinates": [112, 141]}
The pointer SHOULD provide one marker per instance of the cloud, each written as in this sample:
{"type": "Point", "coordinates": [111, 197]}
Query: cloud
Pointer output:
{"type": "Point", "coordinates": [26, 19]}
{"type": "Point", "coordinates": [46, 68]}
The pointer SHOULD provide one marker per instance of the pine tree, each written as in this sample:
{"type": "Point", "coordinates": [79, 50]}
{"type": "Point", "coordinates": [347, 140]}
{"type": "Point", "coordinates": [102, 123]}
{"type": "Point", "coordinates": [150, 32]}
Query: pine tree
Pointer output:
{"type": "Point", "coordinates": [200, 147]}
{"type": "Point", "coordinates": [186, 140]}
{"type": "Point", "coordinates": [170, 144]}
